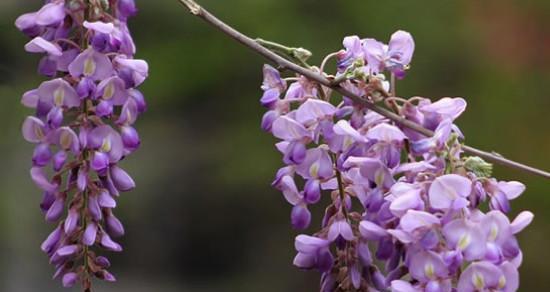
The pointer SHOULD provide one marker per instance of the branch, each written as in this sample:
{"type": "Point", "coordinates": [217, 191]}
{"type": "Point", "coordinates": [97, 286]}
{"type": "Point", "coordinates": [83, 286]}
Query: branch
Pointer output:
{"type": "Point", "coordinates": [283, 63]}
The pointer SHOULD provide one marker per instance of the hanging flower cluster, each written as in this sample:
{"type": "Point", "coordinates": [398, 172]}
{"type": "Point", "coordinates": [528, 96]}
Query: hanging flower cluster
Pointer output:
{"type": "Point", "coordinates": [82, 127]}
{"type": "Point", "coordinates": [405, 212]}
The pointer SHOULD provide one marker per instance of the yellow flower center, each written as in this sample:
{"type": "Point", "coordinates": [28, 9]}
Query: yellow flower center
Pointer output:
{"type": "Point", "coordinates": [464, 241]}
{"type": "Point", "coordinates": [89, 67]}
{"type": "Point", "coordinates": [58, 96]}
{"type": "Point", "coordinates": [66, 140]}
{"type": "Point", "coordinates": [478, 281]}
{"type": "Point", "coordinates": [429, 270]}
{"type": "Point", "coordinates": [109, 91]}
{"type": "Point", "coordinates": [314, 169]}
{"type": "Point", "coordinates": [106, 145]}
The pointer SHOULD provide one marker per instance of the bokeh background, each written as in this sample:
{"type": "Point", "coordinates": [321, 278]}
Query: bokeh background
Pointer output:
{"type": "Point", "coordinates": [204, 217]}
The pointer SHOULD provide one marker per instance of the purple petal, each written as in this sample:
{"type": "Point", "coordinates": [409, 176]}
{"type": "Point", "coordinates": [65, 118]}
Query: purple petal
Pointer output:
{"type": "Point", "coordinates": [312, 191]}
{"type": "Point", "coordinates": [30, 98]}
{"type": "Point", "coordinates": [102, 262]}
{"type": "Point", "coordinates": [70, 279]}
{"type": "Point", "coordinates": [372, 231]}
{"type": "Point", "coordinates": [91, 64]}
{"type": "Point", "coordinates": [41, 155]}
{"type": "Point", "coordinates": [109, 244]}
{"type": "Point", "coordinates": [300, 217]}
{"type": "Point", "coordinates": [112, 89]}
{"type": "Point", "coordinates": [82, 179]}
{"type": "Point", "coordinates": [93, 207]}
{"type": "Point", "coordinates": [372, 169]}
{"type": "Point", "coordinates": [100, 161]}
{"type": "Point", "coordinates": [39, 177]}
{"type": "Point", "coordinates": [27, 24]}
{"type": "Point", "coordinates": [403, 286]}
{"type": "Point", "coordinates": [447, 188]}
{"type": "Point", "coordinates": [268, 119]}
{"type": "Point", "coordinates": [512, 189]}
{"type": "Point", "coordinates": [386, 133]}
{"type": "Point", "coordinates": [427, 265]}
{"type": "Point", "coordinates": [467, 237]}
{"type": "Point", "coordinates": [58, 92]}
{"type": "Point", "coordinates": [522, 220]}
{"type": "Point", "coordinates": [340, 228]}
{"type": "Point", "coordinates": [314, 110]}
{"type": "Point", "coordinates": [309, 244]}
{"type": "Point", "coordinates": [114, 226]}
{"type": "Point", "coordinates": [107, 140]}
{"type": "Point", "coordinates": [105, 200]}
{"type": "Point", "coordinates": [90, 234]}
{"type": "Point", "coordinates": [343, 128]}
{"type": "Point", "coordinates": [33, 130]}
{"type": "Point", "coordinates": [126, 8]}
{"type": "Point", "coordinates": [130, 137]}
{"type": "Point", "coordinates": [413, 220]}
{"type": "Point", "coordinates": [66, 138]}
{"type": "Point", "coordinates": [289, 189]}
{"type": "Point", "coordinates": [509, 282]}
{"type": "Point", "coordinates": [67, 250]}
{"type": "Point", "coordinates": [121, 179]}
{"type": "Point", "coordinates": [304, 261]}
{"type": "Point", "coordinates": [71, 221]}
{"type": "Point", "coordinates": [272, 79]}
{"type": "Point", "coordinates": [40, 45]}
{"type": "Point", "coordinates": [51, 14]}
{"type": "Point", "coordinates": [478, 277]}
{"type": "Point", "coordinates": [375, 54]}
{"type": "Point", "coordinates": [51, 241]}
{"type": "Point", "coordinates": [401, 48]}
{"type": "Point", "coordinates": [270, 97]}
{"type": "Point", "coordinates": [288, 129]}
{"type": "Point", "coordinates": [129, 113]}
{"type": "Point", "coordinates": [99, 26]}
{"type": "Point", "coordinates": [66, 59]}
{"type": "Point", "coordinates": [139, 69]}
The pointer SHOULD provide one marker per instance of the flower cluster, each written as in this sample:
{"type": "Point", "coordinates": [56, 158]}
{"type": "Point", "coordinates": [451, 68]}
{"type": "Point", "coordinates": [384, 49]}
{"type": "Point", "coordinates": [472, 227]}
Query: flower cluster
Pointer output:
{"type": "Point", "coordinates": [82, 127]}
{"type": "Point", "coordinates": [405, 212]}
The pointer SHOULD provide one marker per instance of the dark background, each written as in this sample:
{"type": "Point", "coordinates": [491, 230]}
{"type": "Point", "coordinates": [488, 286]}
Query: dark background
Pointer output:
{"type": "Point", "coordinates": [204, 217]}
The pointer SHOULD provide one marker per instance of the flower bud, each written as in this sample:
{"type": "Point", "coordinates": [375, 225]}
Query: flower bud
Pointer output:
{"type": "Point", "coordinates": [122, 181]}
{"type": "Point", "coordinates": [42, 155]}
{"type": "Point", "coordinates": [300, 217]}
{"type": "Point", "coordinates": [70, 279]}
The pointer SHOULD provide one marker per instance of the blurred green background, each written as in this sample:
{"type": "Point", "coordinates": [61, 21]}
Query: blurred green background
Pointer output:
{"type": "Point", "coordinates": [204, 217]}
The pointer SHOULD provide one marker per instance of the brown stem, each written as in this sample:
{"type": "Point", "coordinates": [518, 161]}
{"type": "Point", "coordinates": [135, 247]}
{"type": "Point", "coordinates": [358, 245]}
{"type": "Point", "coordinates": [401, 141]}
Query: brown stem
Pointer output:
{"type": "Point", "coordinates": [202, 13]}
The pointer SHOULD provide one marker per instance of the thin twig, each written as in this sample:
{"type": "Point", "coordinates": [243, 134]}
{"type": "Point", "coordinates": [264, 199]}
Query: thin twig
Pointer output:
{"type": "Point", "coordinates": [283, 63]}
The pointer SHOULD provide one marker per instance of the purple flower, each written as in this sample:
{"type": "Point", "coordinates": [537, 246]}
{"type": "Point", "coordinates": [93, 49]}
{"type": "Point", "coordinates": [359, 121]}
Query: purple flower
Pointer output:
{"type": "Point", "coordinates": [106, 140]}
{"type": "Point", "coordinates": [353, 52]}
{"type": "Point", "coordinates": [313, 252]}
{"type": "Point", "coordinates": [394, 57]}
{"type": "Point", "coordinates": [450, 192]}
{"type": "Point", "coordinates": [428, 268]}
{"type": "Point", "coordinates": [481, 276]}
{"type": "Point", "coordinates": [58, 92]}
{"type": "Point", "coordinates": [272, 86]}
{"type": "Point", "coordinates": [51, 14]}
{"type": "Point", "coordinates": [91, 64]}
{"type": "Point", "coordinates": [445, 108]}
{"type": "Point", "coordinates": [466, 237]}
{"type": "Point", "coordinates": [134, 72]}
{"type": "Point", "coordinates": [340, 227]}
